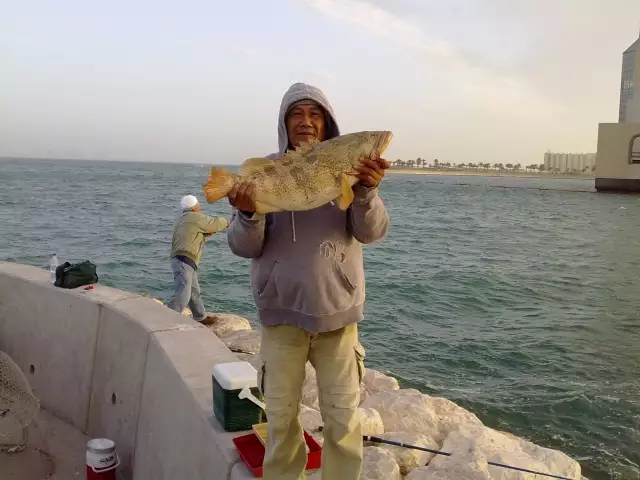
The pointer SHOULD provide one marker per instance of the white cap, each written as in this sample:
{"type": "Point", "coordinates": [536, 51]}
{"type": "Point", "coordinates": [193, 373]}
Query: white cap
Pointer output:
{"type": "Point", "coordinates": [188, 202]}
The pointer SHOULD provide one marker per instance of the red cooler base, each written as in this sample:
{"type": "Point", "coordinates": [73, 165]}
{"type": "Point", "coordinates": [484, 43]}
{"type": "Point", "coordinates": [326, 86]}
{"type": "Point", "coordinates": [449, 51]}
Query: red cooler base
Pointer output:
{"type": "Point", "coordinates": [104, 475]}
{"type": "Point", "coordinates": [251, 451]}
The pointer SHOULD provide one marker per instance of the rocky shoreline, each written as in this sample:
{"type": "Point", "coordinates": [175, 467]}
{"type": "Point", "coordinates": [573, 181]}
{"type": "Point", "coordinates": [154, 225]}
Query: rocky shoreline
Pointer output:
{"type": "Point", "coordinates": [412, 417]}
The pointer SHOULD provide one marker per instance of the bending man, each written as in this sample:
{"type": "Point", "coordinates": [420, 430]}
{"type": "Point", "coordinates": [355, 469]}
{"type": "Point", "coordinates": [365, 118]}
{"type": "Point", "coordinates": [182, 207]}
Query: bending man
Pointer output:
{"type": "Point", "coordinates": [189, 234]}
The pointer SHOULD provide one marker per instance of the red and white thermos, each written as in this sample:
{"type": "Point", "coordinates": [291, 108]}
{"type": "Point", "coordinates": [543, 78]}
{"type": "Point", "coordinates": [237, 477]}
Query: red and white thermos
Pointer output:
{"type": "Point", "coordinates": [101, 459]}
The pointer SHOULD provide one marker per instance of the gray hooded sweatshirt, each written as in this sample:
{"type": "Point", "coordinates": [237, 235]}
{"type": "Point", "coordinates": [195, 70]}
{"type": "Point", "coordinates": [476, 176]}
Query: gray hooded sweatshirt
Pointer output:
{"type": "Point", "coordinates": [307, 266]}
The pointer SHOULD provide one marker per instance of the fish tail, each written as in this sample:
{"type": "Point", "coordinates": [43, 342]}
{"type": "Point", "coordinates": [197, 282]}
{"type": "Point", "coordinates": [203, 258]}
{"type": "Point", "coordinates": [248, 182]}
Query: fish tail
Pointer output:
{"type": "Point", "coordinates": [219, 184]}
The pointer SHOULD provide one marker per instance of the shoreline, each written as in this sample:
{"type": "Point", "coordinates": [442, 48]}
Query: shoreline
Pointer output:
{"type": "Point", "coordinates": [407, 415]}
{"type": "Point", "coordinates": [464, 173]}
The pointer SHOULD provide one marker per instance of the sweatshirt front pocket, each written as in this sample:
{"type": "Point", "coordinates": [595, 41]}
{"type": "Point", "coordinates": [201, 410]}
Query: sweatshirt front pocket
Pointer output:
{"type": "Point", "coordinates": [323, 288]}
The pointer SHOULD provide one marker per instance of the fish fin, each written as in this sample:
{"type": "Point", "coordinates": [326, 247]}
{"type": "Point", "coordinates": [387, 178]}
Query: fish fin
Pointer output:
{"type": "Point", "coordinates": [346, 193]}
{"type": "Point", "coordinates": [254, 165]}
{"type": "Point", "coordinates": [263, 208]}
{"type": "Point", "coordinates": [218, 184]}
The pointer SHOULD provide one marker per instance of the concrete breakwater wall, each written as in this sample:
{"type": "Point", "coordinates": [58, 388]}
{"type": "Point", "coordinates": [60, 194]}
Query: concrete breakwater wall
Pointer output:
{"type": "Point", "coordinates": [115, 364]}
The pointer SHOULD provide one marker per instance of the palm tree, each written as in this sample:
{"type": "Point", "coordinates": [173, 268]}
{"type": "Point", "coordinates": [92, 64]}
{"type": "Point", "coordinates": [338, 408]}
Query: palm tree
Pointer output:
{"type": "Point", "coordinates": [418, 162]}
{"type": "Point", "coordinates": [541, 167]}
{"type": "Point", "coordinates": [411, 163]}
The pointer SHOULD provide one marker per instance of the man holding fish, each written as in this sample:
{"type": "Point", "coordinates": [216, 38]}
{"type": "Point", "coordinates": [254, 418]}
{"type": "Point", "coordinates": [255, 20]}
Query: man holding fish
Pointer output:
{"type": "Point", "coordinates": [302, 215]}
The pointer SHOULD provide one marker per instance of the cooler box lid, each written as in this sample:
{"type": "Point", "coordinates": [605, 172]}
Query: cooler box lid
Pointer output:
{"type": "Point", "coordinates": [235, 375]}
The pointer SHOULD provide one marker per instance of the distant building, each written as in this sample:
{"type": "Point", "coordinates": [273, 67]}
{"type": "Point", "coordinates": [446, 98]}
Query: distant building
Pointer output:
{"type": "Point", "coordinates": [630, 85]}
{"type": "Point", "coordinates": [568, 162]}
{"type": "Point", "coordinates": [618, 164]}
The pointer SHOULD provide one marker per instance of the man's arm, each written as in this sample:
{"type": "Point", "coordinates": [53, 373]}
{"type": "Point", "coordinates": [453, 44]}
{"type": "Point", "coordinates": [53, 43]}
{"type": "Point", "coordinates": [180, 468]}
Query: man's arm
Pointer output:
{"type": "Point", "coordinates": [210, 225]}
{"type": "Point", "coordinates": [368, 217]}
{"type": "Point", "coordinates": [246, 233]}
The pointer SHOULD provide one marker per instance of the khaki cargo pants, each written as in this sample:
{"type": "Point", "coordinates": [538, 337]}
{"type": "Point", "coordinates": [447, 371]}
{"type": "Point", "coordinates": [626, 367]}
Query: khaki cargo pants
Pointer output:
{"type": "Point", "coordinates": [338, 359]}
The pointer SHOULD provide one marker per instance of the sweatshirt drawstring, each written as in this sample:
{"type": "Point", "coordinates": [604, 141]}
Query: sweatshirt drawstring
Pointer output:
{"type": "Point", "coordinates": [293, 226]}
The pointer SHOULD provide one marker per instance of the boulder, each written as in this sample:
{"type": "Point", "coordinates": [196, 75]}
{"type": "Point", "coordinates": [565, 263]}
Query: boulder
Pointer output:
{"type": "Point", "coordinates": [242, 340]}
{"type": "Point", "coordinates": [407, 458]}
{"type": "Point", "coordinates": [408, 410]}
{"type": "Point", "coordinates": [310, 418]}
{"type": "Point", "coordinates": [371, 422]}
{"type": "Point", "coordinates": [474, 445]}
{"type": "Point", "coordinates": [375, 381]}
{"type": "Point", "coordinates": [475, 468]}
{"type": "Point", "coordinates": [253, 358]}
{"type": "Point", "coordinates": [378, 464]}
{"type": "Point", "coordinates": [227, 322]}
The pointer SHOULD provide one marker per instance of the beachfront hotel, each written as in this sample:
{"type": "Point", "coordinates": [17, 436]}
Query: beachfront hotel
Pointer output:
{"type": "Point", "coordinates": [569, 162]}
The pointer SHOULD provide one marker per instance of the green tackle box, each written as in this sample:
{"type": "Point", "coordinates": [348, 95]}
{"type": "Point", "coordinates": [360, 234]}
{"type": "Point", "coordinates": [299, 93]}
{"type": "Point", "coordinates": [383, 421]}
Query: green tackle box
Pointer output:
{"type": "Point", "coordinates": [234, 413]}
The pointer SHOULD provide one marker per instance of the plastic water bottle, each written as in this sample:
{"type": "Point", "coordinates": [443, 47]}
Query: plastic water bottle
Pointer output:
{"type": "Point", "coordinates": [52, 267]}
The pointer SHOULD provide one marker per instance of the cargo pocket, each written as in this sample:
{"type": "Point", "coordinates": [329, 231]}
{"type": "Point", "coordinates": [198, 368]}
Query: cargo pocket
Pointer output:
{"type": "Point", "coordinates": [360, 361]}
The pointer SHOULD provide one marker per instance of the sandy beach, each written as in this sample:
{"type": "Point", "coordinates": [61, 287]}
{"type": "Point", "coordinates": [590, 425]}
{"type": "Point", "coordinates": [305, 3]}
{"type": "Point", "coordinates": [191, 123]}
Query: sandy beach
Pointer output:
{"type": "Point", "coordinates": [465, 173]}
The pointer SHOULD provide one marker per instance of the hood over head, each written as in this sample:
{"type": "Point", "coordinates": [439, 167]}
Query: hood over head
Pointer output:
{"type": "Point", "coordinates": [296, 93]}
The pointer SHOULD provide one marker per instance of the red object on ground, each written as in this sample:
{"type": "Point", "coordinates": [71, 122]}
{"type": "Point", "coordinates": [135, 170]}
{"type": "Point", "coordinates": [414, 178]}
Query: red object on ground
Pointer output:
{"type": "Point", "coordinates": [104, 475]}
{"type": "Point", "coordinates": [90, 287]}
{"type": "Point", "coordinates": [251, 451]}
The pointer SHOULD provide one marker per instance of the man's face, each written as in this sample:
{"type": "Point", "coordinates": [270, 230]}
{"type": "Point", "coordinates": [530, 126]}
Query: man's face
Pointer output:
{"type": "Point", "coordinates": [196, 208]}
{"type": "Point", "coordinates": [305, 123]}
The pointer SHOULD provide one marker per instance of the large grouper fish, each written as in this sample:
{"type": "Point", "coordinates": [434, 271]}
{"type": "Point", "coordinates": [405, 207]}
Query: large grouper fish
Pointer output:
{"type": "Point", "coordinates": [305, 178]}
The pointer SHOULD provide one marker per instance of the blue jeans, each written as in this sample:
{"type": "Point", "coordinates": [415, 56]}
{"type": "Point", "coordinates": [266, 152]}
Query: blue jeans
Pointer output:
{"type": "Point", "coordinates": [186, 290]}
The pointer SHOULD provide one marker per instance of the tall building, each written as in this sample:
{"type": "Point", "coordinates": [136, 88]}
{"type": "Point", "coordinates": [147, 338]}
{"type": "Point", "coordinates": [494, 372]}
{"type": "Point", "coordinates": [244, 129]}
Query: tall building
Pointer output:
{"type": "Point", "coordinates": [630, 84]}
{"type": "Point", "coordinates": [618, 157]}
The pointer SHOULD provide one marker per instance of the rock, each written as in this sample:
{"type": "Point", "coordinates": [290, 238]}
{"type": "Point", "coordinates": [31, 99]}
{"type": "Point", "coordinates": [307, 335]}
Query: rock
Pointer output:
{"type": "Point", "coordinates": [310, 388]}
{"type": "Point", "coordinates": [407, 458]}
{"type": "Point", "coordinates": [378, 464]}
{"type": "Point", "coordinates": [408, 410]}
{"type": "Point", "coordinates": [371, 422]}
{"type": "Point", "coordinates": [227, 322]}
{"type": "Point", "coordinates": [475, 468]}
{"type": "Point", "coordinates": [474, 445]}
{"type": "Point", "coordinates": [310, 418]}
{"type": "Point", "coordinates": [253, 358]}
{"type": "Point", "coordinates": [243, 340]}
{"type": "Point", "coordinates": [375, 382]}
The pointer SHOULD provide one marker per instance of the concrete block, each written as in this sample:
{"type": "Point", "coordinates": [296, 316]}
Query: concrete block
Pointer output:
{"type": "Point", "coordinates": [125, 326]}
{"type": "Point", "coordinates": [177, 436]}
{"type": "Point", "coordinates": [51, 334]}
{"type": "Point", "coordinates": [241, 472]}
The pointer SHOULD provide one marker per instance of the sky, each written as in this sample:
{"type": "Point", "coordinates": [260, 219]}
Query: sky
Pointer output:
{"type": "Point", "coordinates": [201, 81]}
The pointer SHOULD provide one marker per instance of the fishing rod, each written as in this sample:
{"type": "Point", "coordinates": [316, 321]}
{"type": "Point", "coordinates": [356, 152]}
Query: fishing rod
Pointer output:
{"type": "Point", "coordinates": [369, 438]}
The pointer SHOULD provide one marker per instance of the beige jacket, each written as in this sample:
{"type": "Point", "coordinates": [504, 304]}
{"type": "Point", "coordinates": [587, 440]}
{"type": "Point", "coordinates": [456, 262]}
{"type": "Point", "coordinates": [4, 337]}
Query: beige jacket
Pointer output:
{"type": "Point", "coordinates": [189, 233]}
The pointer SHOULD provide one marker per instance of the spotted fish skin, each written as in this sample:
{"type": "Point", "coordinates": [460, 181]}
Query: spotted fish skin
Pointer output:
{"type": "Point", "coordinates": [305, 178]}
